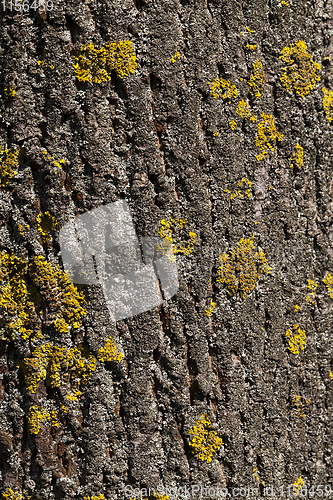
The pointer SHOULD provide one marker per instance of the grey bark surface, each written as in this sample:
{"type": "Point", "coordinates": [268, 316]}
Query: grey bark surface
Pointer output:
{"type": "Point", "coordinates": [149, 138]}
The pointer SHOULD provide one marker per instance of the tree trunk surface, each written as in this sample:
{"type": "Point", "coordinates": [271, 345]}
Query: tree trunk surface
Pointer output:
{"type": "Point", "coordinates": [160, 140]}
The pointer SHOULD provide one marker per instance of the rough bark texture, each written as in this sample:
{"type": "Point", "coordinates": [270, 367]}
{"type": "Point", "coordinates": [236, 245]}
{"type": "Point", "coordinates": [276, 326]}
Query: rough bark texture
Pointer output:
{"type": "Point", "coordinates": [149, 138]}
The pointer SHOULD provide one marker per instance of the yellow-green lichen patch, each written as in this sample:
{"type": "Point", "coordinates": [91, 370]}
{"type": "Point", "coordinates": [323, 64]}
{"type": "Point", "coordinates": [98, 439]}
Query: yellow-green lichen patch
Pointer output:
{"type": "Point", "coordinates": [99, 497]}
{"type": "Point", "coordinates": [9, 162]}
{"type": "Point", "coordinates": [160, 497]}
{"type": "Point", "coordinates": [28, 289]}
{"type": "Point", "coordinates": [241, 267]}
{"type": "Point", "coordinates": [244, 111]}
{"type": "Point", "coordinates": [73, 396]}
{"type": "Point", "coordinates": [175, 57]}
{"type": "Point", "coordinates": [297, 339]}
{"type": "Point", "coordinates": [205, 442]}
{"type": "Point", "coordinates": [95, 65]}
{"type": "Point", "coordinates": [10, 91]}
{"type": "Point", "coordinates": [241, 192]}
{"type": "Point", "coordinates": [257, 80]}
{"type": "Point", "coordinates": [10, 494]}
{"type": "Point", "coordinates": [248, 31]}
{"type": "Point", "coordinates": [312, 286]}
{"type": "Point", "coordinates": [222, 88]}
{"type": "Point", "coordinates": [21, 229]}
{"type": "Point", "coordinates": [296, 161]}
{"type": "Point", "coordinates": [109, 352]}
{"type": "Point", "coordinates": [298, 485]}
{"type": "Point", "coordinates": [210, 309]}
{"type": "Point", "coordinates": [55, 163]}
{"type": "Point", "coordinates": [328, 282]}
{"type": "Point", "coordinates": [300, 405]}
{"type": "Point", "coordinates": [19, 300]}
{"type": "Point", "coordinates": [256, 475]}
{"type": "Point", "coordinates": [267, 136]}
{"type": "Point", "coordinates": [66, 302]}
{"type": "Point", "coordinates": [45, 64]}
{"type": "Point", "coordinates": [168, 247]}
{"type": "Point", "coordinates": [300, 73]}
{"type": "Point", "coordinates": [57, 366]}
{"type": "Point", "coordinates": [251, 47]}
{"type": "Point", "coordinates": [38, 414]}
{"type": "Point", "coordinates": [45, 224]}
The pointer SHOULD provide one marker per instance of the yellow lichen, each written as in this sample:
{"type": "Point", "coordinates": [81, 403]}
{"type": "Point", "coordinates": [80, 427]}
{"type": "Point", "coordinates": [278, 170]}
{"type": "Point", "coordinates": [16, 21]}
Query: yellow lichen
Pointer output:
{"type": "Point", "coordinates": [241, 192]}
{"type": "Point", "coordinates": [54, 418]}
{"type": "Point", "coordinates": [39, 414]}
{"type": "Point", "coordinates": [296, 307]}
{"type": "Point", "coordinates": [298, 485]}
{"type": "Point", "coordinates": [331, 375]}
{"type": "Point", "coordinates": [56, 366]}
{"type": "Point", "coordinates": [12, 495]}
{"type": "Point", "coordinates": [296, 161]}
{"type": "Point", "coordinates": [267, 136]}
{"type": "Point", "coordinates": [73, 396]}
{"type": "Point", "coordinates": [18, 300]}
{"type": "Point", "coordinates": [46, 223]}
{"type": "Point", "coordinates": [168, 247]}
{"type": "Point", "coordinates": [21, 229]}
{"type": "Point", "coordinates": [217, 87]}
{"type": "Point", "coordinates": [99, 497]}
{"type": "Point", "coordinates": [257, 80]}
{"type": "Point", "coordinates": [248, 30]}
{"type": "Point", "coordinates": [35, 368]}
{"type": "Point", "coordinates": [251, 47]}
{"type": "Point", "coordinates": [300, 406]}
{"type": "Point", "coordinates": [109, 352]}
{"type": "Point", "coordinates": [9, 162]}
{"type": "Point", "coordinates": [232, 124]}
{"type": "Point", "coordinates": [312, 286]}
{"type": "Point", "coordinates": [204, 442]}
{"type": "Point", "coordinates": [176, 56]}
{"type": "Point", "coordinates": [211, 308]}
{"type": "Point", "coordinates": [10, 91]}
{"type": "Point", "coordinates": [45, 64]}
{"type": "Point", "coordinates": [95, 65]}
{"type": "Point", "coordinates": [297, 339]}
{"type": "Point", "coordinates": [22, 288]}
{"type": "Point", "coordinates": [216, 133]}
{"type": "Point", "coordinates": [300, 73]}
{"type": "Point", "coordinates": [328, 282]}
{"type": "Point", "coordinates": [241, 267]}
{"type": "Point", "coordinates": [244, 111]}
{"type": "Point", "coordinates": [328, 103]}
{"type": "Point", "coordinates": [55, 163]}
{"type": "Point", "coordinates": [255, 473]}
{"type": "Point", "coordinates": [56, 287]}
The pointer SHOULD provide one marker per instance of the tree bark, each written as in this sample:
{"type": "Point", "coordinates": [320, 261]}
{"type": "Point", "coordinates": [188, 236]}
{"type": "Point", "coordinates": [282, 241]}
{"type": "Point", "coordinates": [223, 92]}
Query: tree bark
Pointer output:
{"type": "Point", "coordinates": [151, 138]}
